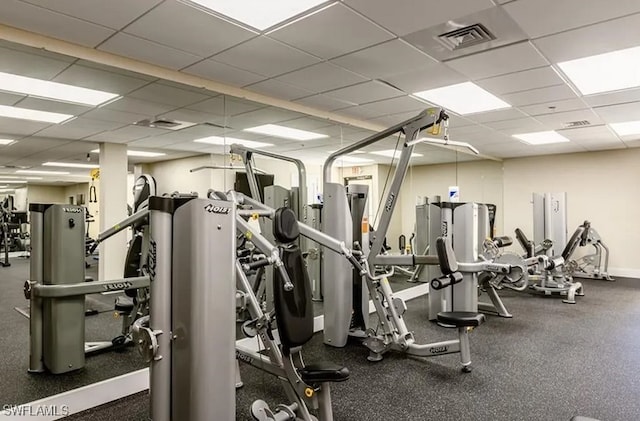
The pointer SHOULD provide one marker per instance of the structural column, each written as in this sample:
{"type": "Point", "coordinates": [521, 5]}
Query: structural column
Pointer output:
{"type": "Point", "coordinates": [113, 208]}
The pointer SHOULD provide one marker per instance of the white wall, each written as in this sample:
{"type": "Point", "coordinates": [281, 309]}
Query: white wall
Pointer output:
{"type": "Point", "coordinates": [46, 194]}
{"type": "Point", "coordinates": [603, 187]}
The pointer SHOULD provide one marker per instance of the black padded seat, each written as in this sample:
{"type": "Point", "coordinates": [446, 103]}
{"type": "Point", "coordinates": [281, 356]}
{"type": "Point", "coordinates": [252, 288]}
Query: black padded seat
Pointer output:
{"type": "Point", "coordinates": [124, 304]}
{"type": "Point", "coordinates": [461, 318]}
{"type": "Point", "coordinates": [323, 373]}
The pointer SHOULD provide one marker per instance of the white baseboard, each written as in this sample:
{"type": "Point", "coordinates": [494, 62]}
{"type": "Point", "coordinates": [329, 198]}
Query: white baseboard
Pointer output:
{"type": "Point", "coordinates": [624, 272]}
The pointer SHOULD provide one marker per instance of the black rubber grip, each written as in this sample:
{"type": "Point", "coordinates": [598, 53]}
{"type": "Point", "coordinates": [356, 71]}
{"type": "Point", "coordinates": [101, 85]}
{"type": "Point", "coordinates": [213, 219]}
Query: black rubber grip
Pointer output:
{"type": "Point", "coordinates": [258, 264]}
{"type": "Point", "coordinates": [503, 241]}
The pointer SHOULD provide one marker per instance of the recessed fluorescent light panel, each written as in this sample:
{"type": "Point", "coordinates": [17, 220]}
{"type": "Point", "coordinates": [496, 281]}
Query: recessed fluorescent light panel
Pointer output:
{"type": "Point", "coordinates": [34, 115]}
{"type": "Point", "coordinates": [626, 129]}
{"type": "Point", "coordinates": [604, 72]}
{"type": "Point", "coordinates": [463, 98]}
{"type": "Point", "coordinates": [541, 138]}
{"type": "Point", "coordinates": [140, 154]}
{"type": "Point", "coordinates": [259, 14]}
{"type": "Point", "coordinates": [285, 132]}
{"type": "Point", "coordinates": [353, 159]}
{"type": "Point", "coordinates": [392, 152]}
{"type": "Point", "coordinates": [42, 172]}
{"type": "Point", "coordinates": [5, 142]}
{"type": "Point", "coordinates": [53, 90]}
{"type": "Point", "coordinates": [221, 141]}
{"type": "Point", "coordinates": [70, 165]}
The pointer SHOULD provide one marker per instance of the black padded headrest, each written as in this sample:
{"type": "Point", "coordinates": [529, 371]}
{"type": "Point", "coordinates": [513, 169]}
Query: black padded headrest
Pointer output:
{"type": "Point", "coordinates": [285, 226]}
{"type": "Point", "coordinates": [573, 242]}
{"type": "Point", "coordinates": [446, 256]}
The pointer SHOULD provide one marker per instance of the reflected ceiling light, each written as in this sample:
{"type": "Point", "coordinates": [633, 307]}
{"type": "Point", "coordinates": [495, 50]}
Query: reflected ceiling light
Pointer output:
{"type": "Point", "coordinates": [70, 165]}
{"type": "Point", "coordinates": [222, 141]}
{"type": "Point", "coordinates": [42, 172]}
{"type": "Point", "coordinates": [259, 14]}
{"type": "Point", "coordinates": [34, 115]}
{"type": "Point", "coordinates": [604, 72]}
{"type": "Point", "coordinates": [53, 90]}
{"type": "Point", "coordinates": [141, 154]}
{"type": "Point", "coordinates": [541, 138]}
{"type": "Point", "coordinates": [392, 152]}
{"type": "Point", "coordinates": [13, 181]}
{"type": "Point", "coordinates": [626, 128]}
{"type": "Point", "coordinates": [463, 98]}
{"type": "Point", "coordinates": [285, 132]}
{"type": "Point", "coordinates": [5, 142]}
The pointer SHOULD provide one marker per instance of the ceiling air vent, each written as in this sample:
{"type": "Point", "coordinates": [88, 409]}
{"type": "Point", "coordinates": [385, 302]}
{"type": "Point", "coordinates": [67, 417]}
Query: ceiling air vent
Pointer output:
{"type": "Point", "coordinates": [574, 124]}
{"type": "Point", "coordinates": [466, 37]}
{"type": "Point", "coordinates": [163, 123]}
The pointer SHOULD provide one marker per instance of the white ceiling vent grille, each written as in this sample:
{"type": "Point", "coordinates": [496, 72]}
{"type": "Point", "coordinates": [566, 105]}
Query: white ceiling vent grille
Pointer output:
{"type": "Point", "coordinates": [574, 124]}
{"type": "Point", "coordinates": [466, 37]}
{"type": "Point", "coordinates": [164, 123]}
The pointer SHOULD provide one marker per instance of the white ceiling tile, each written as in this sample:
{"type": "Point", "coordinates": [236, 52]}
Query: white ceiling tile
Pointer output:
{"type": "Point", "coordinates": [31, 65]}
{"type": "Point", "coordinates": [540, 95]}
{"type": "Point", "coordinates": [79, 128]}
{"type": "Point", "coordinates": [632, 144]}
{"type": "Point", "coordinates": [308, 123]}
{"type": "Point", "coordinates": [192, 116]}
{"type": "Point", "coordinates": [393, 119]}
{"type": "Point", "coordinates": [138, 106]}
{"type": "Point", "coordinates": [591, 135]}
{"type": "Point", "coordinates": [225, 105]}
{"type": "Point", "coordinates": [189, 134]}
{"type": "Point", "coordinates": [614, 144]}
{"type": "Point", "coordinates": [52, 106]}
{"type": "Point", "coordinates": [499, 115]}
{"type": "Point", "coordinates": [206, 34]}
{"type": "Point", "coordinates": [224, 73]}
{"type": "Point", "coordinates": [517, 126]}
{"type": "Point", "coordinates": [188, 146]}
{"type": "Point", "coordinates": [101, 80]}
{"type": "Point", "coordinates": [125, 134]}
{"type": "Point", "coordinates": [595, 39]}
{"type": "Point", "coordinates": [324, 102]}
{"type": "Point", "coordinates": [388, 106]}
{"type": "Point", "coordinates": [383, 60]}
{"type": "Point", "coordinates": [20, 127]}
{"type": "Point", "coordinates": [544, 17]}
{"type": "Point", "coordinates": [499, 61]}
{"type": "Point", "coordinates": [151, 52]}
{"type": "Point", "coordinates": [423, 79]}
{"type": "Point", "coordinates": [152, 142]}
{"type": "Point", "coordinates": [612, 98]}
{"type": "Point", "coordinates": [164, 94]}
{"type": "Point", "coordinates": [262, 116]}
{"type": "Point", "coordinates": [9, 99]}
{"type": "Point", "coordinates": [405, 16]}
{"type": "Point", "coordinates": [321, 77]}
{"type": "Point", "coordinates": [554, 106]}
{"type": "Point", "coordinates": [43, 21]}
{"type": "Point", "coordinates": [363, 93]}
{"type": "Point", "coordinates": [521, 81]}
{"type": "Point", "coordinates": [113, 13]}
{"type": "Point", "coordinates": [265, 56]}
{"type": "Point", "coordinates": [334, 31]}
{"type": "Point", "coordinates": [106, 114]}
{"type": "Point", "coordinates": [557, 120]}
{"type": "Point", "coordinates": [279, 89]}
{"type": "Point", "coordinates": [619, 113]}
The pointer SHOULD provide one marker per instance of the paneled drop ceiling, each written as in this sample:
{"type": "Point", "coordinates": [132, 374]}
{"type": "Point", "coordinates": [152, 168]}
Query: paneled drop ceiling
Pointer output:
{"type": "Point", "coordinates": [362, 59]}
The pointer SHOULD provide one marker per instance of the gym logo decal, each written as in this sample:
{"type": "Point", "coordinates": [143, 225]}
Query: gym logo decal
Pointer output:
{"type": "Point", "coordinates": [217, 209]}
{"type": "Point", "coordinates": [72, 210]}
{"type": "Point", "coordinates": [389, 203]}
{"type": "Point", "coordinates": [152, 259]}
{"type": "Point", "coordinates": [118, 286]}
{"type": "Point", "coordinates": [438, 349]}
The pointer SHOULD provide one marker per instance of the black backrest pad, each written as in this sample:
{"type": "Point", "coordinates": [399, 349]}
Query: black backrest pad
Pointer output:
{"type": "Point", "coordinates": [132, 264]}
{"type": "Point", "coordinates": [285, 226]}
{"type": "Point", "coordinates": [294, 309]}
{"type": "Point", "coordinates": [573, 243]}
{"type": "Point", "coordinates": [446, 256]}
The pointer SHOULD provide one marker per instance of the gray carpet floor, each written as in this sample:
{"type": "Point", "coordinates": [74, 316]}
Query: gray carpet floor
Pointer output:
{"type": "Point", "coordinates": [550, 362]}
